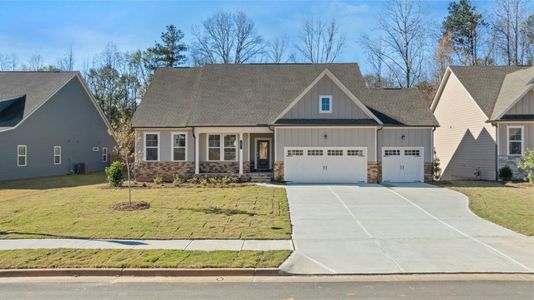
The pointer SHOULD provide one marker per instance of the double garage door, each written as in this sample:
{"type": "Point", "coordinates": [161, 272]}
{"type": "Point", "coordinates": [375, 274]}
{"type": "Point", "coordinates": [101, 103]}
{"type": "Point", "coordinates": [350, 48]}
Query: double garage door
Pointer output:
{"type": "Point", "coordinates": [325, 164]}
{"type": "Point", "coordinates": [349, 164]}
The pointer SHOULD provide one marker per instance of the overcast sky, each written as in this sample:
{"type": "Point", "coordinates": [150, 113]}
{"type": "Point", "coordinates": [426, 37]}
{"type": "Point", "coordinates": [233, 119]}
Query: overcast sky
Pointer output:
{"type": "Point", "coordinates": [49, 28]}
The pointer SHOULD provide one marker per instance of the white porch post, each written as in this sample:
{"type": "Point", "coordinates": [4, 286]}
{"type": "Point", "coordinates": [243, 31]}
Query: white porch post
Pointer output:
{"type": "Point", "coordinates": [197, 153]}
{"type": "Point", "coordinates": [241, 153]}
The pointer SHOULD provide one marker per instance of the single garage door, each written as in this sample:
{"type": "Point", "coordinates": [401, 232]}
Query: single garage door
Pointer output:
{"type": "Point", "coordinates": [402, 164]}
{"type": "Point", "coordinates": [325, 164]}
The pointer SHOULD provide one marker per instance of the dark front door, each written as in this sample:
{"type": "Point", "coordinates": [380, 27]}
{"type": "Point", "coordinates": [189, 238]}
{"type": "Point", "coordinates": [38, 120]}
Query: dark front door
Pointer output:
{"type": "Point", "coordinates": [263, 150]}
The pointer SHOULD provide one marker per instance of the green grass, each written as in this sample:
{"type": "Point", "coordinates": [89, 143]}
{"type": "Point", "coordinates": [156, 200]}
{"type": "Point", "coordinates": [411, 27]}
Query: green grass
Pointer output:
{"type": "Point", "coordinates": [511, 205]}
{"type": "Point", "coordinates": [80, 207]}
{"type": "Point", "coordinates": [117, 258]}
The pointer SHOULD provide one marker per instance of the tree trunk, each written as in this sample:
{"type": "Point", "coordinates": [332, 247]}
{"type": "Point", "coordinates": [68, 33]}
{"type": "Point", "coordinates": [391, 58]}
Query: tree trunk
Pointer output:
{"type": "Point", "coordinates": [129, 185]}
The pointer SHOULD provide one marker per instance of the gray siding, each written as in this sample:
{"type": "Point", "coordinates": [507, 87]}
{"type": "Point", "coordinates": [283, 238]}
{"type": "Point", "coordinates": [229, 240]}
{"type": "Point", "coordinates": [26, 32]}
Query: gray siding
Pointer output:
{"type": "Point", "coordinates": [524, 106]}
{"type": "Point", "coordinates": [528, 135]}
{"type": "Point", "coordinates": [336, 137]}
{"type": "Point", "coordinates": [69, 120]}
{"type": "Point", "coordinates": [165, 149]}
{"type": "Point", "coordinates": [342, 106]}
{"type": "Point", "coordinates": [413, 137]}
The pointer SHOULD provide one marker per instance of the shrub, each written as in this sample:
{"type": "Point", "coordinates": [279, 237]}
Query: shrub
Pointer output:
{"type": "Point", "coordinates": [226, 180]}
{"type": "Point", "coordinates": [213, 180]}
{"type": "Point", "coordinates": [436, 169]}
{"type": "Point", "coordinates": [279, 178]}
{"type": "Point", "coordinates": [158, 179]}
{"type": "Point", "coordinates": [505, 173]}
{"type": "Point", "coordinates": [177, 180]}
{"type": "Point", "coordinates": [527, 164]}
{"type": "Point", "coordinates": [203, 182]}
{"type": "Point", "coordinates": [114, 174]}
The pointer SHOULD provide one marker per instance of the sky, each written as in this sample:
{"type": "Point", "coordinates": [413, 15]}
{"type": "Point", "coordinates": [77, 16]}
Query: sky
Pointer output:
{"type": "Point", "coordinates": [50, 28]}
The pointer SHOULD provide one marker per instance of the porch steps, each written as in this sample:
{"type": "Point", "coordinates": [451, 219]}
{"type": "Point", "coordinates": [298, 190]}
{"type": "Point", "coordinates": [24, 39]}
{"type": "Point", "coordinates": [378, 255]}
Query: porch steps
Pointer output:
{"type": "Point", "coordinates": [261, 177]}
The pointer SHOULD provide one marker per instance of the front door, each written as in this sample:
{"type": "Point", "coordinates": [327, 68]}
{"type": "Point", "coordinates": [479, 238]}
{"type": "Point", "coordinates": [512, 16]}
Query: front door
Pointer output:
{"type": "Point", "coordinates": [263, 153]}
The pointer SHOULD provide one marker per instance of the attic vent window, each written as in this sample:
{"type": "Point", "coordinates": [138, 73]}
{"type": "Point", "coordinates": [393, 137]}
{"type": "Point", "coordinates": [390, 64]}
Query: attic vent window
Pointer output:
{"type": "Point", "coordinates": [325, 104]}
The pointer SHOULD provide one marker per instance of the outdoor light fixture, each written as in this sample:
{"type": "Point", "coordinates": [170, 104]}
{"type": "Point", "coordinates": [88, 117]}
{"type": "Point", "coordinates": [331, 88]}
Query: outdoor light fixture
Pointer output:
{"type": "Point", "coordinates": [403, 137]}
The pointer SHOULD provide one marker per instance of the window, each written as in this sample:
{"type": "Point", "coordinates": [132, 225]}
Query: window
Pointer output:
{"type": "Point", "coordinates": [179, 142]}
{"type": "Point", "coordinates": [355, 152]}
{"type": "Point", "coordinates": [57, 155]}
{"type": "Point", "coordinates": [325, 104]}
{"type": "Point", "coordinates": [22, 155]}
{"type": "Point", "coordinates": [104, 154]}
{"type": "Point", "coordinates": [295, 153]}
{"type": "Point", "coordinates": [214, 147]}
{"type": "Point", "coordinates": [230, 147]}
{"type": "Point", "coordinates": [151, 146]}
{"type": "Point", "coordinates": [95, 149]}
{"type": "Point", "coordinates": [515, 140]}
{"type": "Point", "coordinates": [315, 152]}
{"type": "Point", "coordinates": [394, 152]}
{"type": "Point", "coordinates": [334, 152]}
{"type": "Point", "coordinates": [412, 152]}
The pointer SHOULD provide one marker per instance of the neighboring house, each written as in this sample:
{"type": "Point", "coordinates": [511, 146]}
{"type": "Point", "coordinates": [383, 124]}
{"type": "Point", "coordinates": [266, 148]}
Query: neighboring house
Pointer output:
{"type": "Point", "coordinates": [486, 116]}
{"type": "Point", "coordinates": [306, 122]}
{"type": "Point", "coordinates": [49, 121]}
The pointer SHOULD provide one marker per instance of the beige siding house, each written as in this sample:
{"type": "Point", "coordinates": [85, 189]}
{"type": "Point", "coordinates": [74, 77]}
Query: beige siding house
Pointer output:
{"type": "Point", "coordinates": [305, 123]}
{"type": "Point", "coordinates": [486, 117]}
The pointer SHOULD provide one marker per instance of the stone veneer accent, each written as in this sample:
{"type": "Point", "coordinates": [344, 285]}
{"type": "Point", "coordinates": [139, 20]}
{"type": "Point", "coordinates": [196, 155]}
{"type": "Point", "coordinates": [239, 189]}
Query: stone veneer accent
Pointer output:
{"type": "Point", "coordinates": [278, 169]}
{"type": "Point", "coordinates": [246, 166]}
{"type": "Point", "coordinates": [146, 171]}
{"type": "Point", "coordinates": [374, 172]}
{"type": "Point", "coordinates": [511, 161]}
{"type": "Point", "coordinates": [219, 167]}
{"type": "Point", "coordinates": [428, 172]}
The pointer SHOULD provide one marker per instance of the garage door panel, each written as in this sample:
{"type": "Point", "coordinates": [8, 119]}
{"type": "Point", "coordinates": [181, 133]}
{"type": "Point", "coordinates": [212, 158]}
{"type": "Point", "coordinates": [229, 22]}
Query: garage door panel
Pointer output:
{"type": "Point", "coordinates": [402, 164]}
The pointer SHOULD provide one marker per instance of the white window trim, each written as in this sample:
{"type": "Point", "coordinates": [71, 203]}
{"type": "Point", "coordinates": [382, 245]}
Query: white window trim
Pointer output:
{"type": "Point", "coordinates": [144, 145]}
{"type": "Point", "coordinates": [105, 155]}
{"type": "Point", "coordinates": [321, 111]}
{"type": "Point", "coordinates": [522, 141]}
{"type": "Point", "coordinates": [25, 156]}
{"type": "Point", "coordinates": [221, 146]}
{"type": "Point", "coordinates": [172, 145]}
{"type": "Point", "coordinates": [54, 155]}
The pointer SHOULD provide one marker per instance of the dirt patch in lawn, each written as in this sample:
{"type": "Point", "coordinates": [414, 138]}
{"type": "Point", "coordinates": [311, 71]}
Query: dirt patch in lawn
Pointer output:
{"type": "Point", "coordinates": [127, 206]}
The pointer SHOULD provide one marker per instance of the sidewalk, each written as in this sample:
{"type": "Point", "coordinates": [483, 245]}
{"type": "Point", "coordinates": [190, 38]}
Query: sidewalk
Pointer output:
{"type": "Point", "coordinates": [202, 245]}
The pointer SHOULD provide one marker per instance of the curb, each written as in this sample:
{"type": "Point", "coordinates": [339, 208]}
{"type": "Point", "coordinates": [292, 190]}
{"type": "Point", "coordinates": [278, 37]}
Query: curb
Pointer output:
{"type": "Point", "coordinates": [73, 272]}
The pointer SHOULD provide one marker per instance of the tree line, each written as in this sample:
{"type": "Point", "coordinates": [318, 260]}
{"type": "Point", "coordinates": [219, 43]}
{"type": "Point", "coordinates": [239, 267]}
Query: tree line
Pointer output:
{"type": "Point", "coordinates": [404, 50]}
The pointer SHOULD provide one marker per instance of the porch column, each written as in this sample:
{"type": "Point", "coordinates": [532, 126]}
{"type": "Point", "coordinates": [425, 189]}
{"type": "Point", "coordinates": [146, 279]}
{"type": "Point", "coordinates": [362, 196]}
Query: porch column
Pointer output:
{"type": "Point", "coordinates": [197, 151]}
{"type": "Point", "coordinates": [241, 154]}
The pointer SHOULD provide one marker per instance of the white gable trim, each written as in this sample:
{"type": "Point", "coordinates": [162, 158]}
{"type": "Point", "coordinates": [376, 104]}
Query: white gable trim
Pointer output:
{"type": "Point", "coordinates": [324, 73]}
{"type": "Point", "coordinates": [525, 92]}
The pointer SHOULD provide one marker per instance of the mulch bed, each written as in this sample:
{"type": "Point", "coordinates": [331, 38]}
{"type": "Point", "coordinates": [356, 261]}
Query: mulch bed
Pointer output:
{"type": "Point", "coordinates": [136, 205]}
{"type": "Point", "coordinates": [151, 185]}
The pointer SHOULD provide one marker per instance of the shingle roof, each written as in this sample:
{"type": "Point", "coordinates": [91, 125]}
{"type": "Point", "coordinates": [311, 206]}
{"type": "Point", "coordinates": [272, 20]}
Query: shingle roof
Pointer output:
{"type": "Point", "coordinates": [514, 86]}
{"type": "Point", "coordinates": [37, 87]}
{"type": "Point", "coordinates": [483, 83]}
{"type": "Point", "coordinates": [253, 94]}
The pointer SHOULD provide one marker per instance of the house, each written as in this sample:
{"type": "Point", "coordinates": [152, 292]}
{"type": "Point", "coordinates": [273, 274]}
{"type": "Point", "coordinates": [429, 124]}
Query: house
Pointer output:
{"type": "Point", "coordinates": [486, 116]}
{"type": "Point", "coordinates": [49, 122]}
{"type": "Point", "coordinates": [306, 122]}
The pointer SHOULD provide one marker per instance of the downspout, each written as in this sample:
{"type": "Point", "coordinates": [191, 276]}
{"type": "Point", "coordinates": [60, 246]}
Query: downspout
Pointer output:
{"type": "Point", "coordinates": [496, 150]}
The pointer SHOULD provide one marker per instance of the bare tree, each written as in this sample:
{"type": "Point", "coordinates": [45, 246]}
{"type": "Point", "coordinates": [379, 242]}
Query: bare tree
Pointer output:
{"type": "Point", "coordinates": [402, 48]}
{"type": "Point", "coordinates": [66, 63]}
{"type": "Point", "coordinates": [8, 62]}
{"type": "Point", "coordinates": [35, 63]}
{"type": "Point", "coordinates": [374, 49]}
{"type": "Point", "coordinates": [321, 42]}
{"type": "Point", "coordinates": [276, 50]}
{"type": "Point", "coordinates": [509, 19]}
{"type": "Point", "coordinates": [227, 38]}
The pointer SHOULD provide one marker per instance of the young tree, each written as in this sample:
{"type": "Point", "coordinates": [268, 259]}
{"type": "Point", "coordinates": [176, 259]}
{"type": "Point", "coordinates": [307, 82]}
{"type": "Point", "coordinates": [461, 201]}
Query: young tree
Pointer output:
{"type": "Point", "coordinates": [169, 53]}
{"type": "Point", "coordinates": [321, 42]}
{"type": "Point", "coordinates": [227, 38]}
{"type": "Point", "coordinates": [464, 22]}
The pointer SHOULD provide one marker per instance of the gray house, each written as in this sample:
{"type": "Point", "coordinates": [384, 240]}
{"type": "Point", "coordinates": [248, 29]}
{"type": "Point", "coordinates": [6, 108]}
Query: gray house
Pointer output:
{"type": "Point", "coordinates": [486, 115]}
{"type": "Point", "coordinates": [49, 122]}
{"type": "Point", "coordinates": [305, 122]}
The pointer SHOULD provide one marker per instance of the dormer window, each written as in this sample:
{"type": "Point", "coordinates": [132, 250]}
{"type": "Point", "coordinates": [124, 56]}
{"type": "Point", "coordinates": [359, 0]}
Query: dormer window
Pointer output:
{"type": "Point", "coordinates": [325, 104]}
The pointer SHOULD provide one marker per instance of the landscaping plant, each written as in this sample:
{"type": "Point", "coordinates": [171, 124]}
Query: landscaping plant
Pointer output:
{"type": "Point", "coordinates": [177, 180]}
{"type": "Point", "coordinates": [527, 164]}
{"type": "Point", "coordinates": [114, 174]}
{"type": "Point", "coordinates": [505, 173]}
{"type": "Point", "coordinates": [158, 179]}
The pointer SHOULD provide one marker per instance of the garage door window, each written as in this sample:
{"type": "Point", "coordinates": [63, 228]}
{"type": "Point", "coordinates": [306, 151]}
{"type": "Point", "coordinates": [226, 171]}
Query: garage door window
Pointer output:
{"type": "Point", "coordinates": [394, 152]}
{"type": "Point", "coordinates": [315, 152]}
{"type": "Point", "coordinates": [355, 152]}
{"type": "Point", "coordinates": [295, 153]}
{"type": "Point", "coordinates": [334, 152]}
{"type": "Point", "coordinates": [412, 152]}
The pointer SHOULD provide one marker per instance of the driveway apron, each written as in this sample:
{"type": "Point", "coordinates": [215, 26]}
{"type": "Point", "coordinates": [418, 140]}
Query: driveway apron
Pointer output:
{"type": "Point", "coordinates": [402, 228]}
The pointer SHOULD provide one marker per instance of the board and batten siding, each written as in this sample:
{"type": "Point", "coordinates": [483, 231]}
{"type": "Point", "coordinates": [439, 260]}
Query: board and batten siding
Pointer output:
{"type": "Point", "coordinates": [342, 106]}
{"type": "Point", "coordinates": [528, 136]}
{"type": "Point", "coordinates": [165, 143]}
{"type": "Point", "coordinates": [413, 137]}
{"type": "Point", "coordinates": [335, 137]}
{"type": "Point", "coordinates": [464, 141]}
{"type": "Point", "coordinates": [525, 106]}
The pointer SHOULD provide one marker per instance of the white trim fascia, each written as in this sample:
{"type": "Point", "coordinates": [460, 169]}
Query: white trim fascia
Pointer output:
{"type": "Point", "coordinates": [497, 138]}
{"type": "Point", "coordinates": [25, 156]}
{"type": "Point", "coordinates": [54, 156]}
{"type": "Point", "coordinates": [326, 127]}
{"type": "Point", "coordinates": [441, 87]}
{"type": "Point", "coordinates": [144, 145]}
{"type": "Point", "coordinates": [256, 151]}
{"type": "Point", "coordinates": [327, 72]}
{"type": "Point", "coordinates": [321, 111]}
{"type": "Point", "coordinates": [233, 130]}
{"type": "Point", "coordinates": [172, 145]}
{"type": "Point", "coordinates": [274, 141]}
{"type": "Point", "coordinates": [508, 139]}
{"type": "Point", "coordinates": [405, 128]}
{"type": "Point", "coordinates": [515, 102]}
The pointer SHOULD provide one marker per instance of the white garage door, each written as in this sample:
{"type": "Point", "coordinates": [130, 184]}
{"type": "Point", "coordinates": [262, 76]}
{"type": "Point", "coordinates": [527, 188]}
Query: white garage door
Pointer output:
{"type": "Point", "coordinates": [402, 164]}
{"type": "Point", "coordinates": [325, 164]}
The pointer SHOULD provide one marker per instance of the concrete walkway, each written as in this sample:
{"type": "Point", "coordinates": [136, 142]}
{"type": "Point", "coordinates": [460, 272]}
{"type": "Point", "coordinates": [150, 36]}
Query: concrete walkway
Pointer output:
{"type": "Point", "coordinates": [201, 245]}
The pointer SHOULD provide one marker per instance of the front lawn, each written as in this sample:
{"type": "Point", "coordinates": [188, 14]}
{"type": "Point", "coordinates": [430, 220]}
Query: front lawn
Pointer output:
{"type": "Point", "coordinates": [510, 205]}
{"type": "Point", "coordinates": [120, 258]}
{"type": "Point", "coordinates": [80, 207]}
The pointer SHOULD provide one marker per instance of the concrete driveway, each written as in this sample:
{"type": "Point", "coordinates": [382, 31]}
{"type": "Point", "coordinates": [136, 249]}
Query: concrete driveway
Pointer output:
{"type": "Point", "coordinates": [402, 228]}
